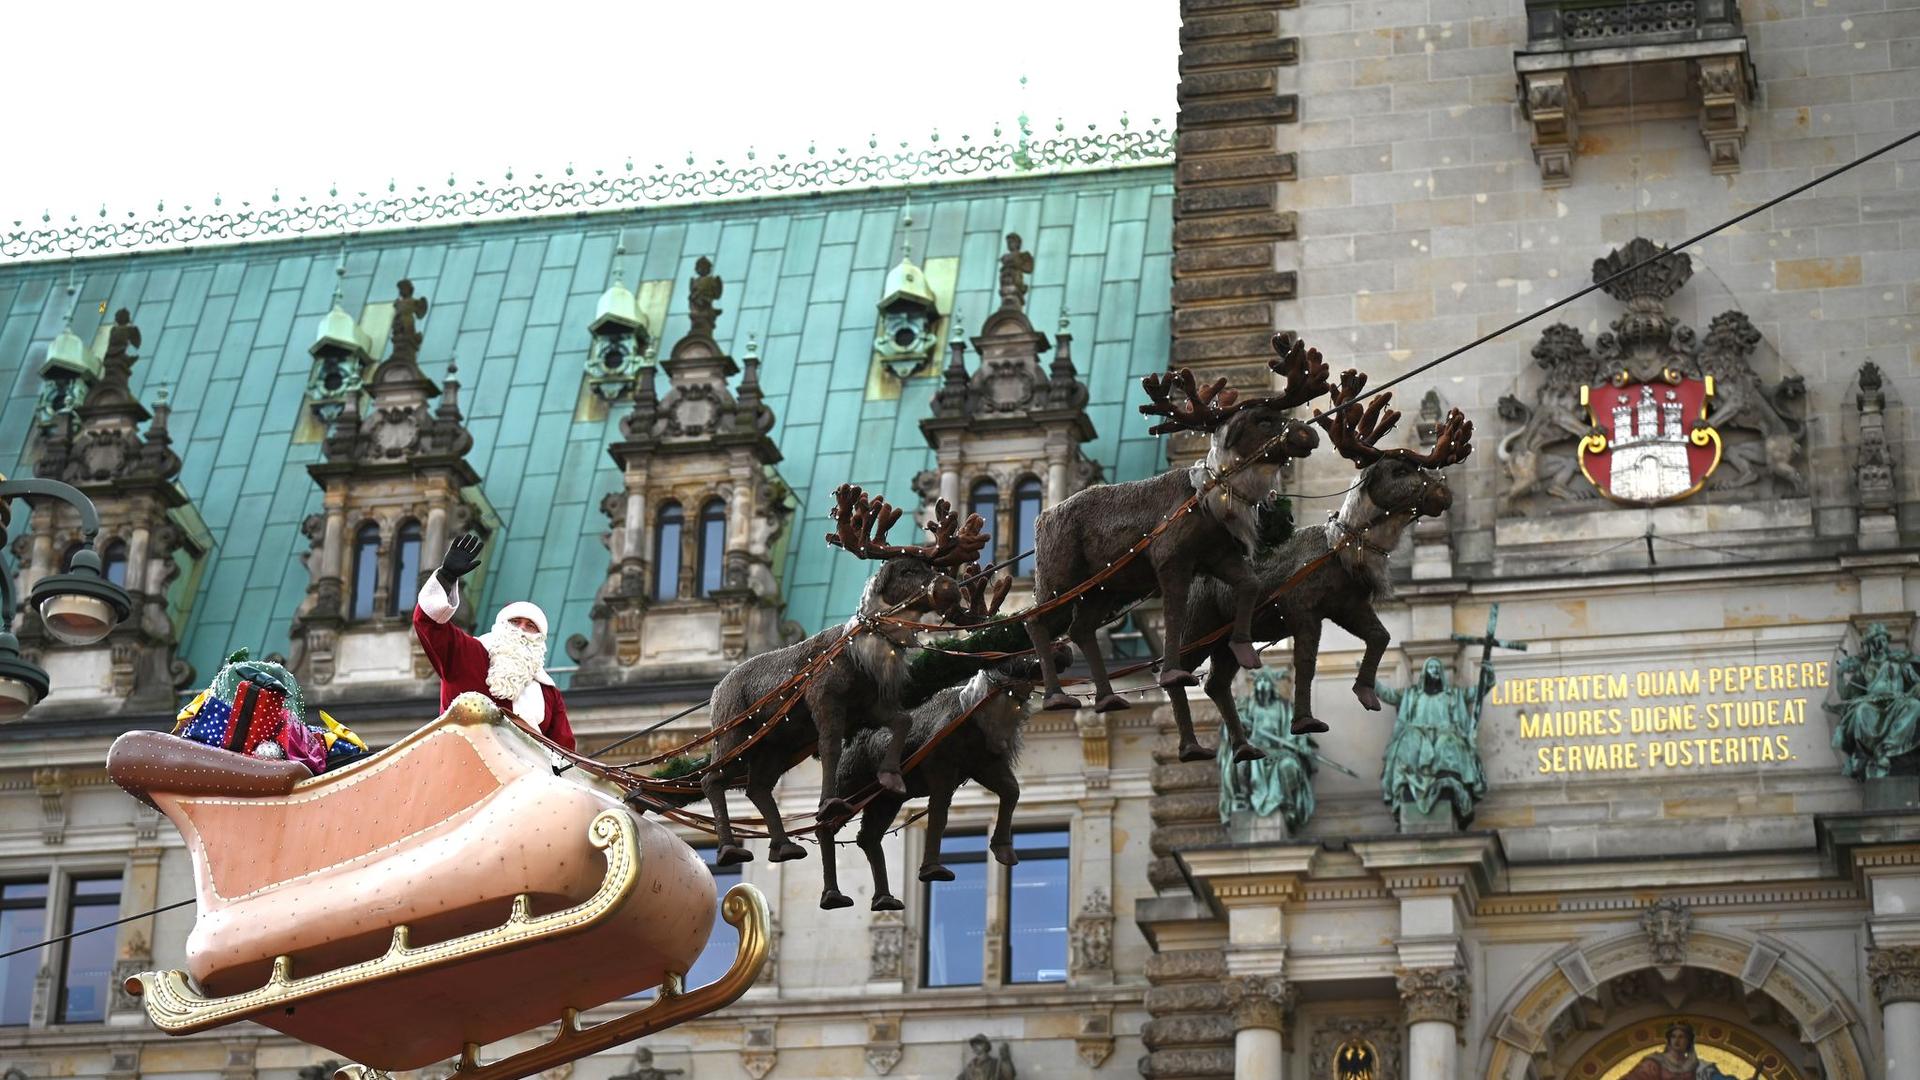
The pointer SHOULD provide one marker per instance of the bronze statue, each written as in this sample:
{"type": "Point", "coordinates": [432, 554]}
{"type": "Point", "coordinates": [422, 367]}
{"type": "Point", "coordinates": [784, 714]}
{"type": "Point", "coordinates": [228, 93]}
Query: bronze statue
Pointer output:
{"type": "Point", "coordinates": [1015, 265]}
{"type": "Point", "coordinates": [407, 310]}
{"type": "Point", "coordinates": [701, 293]}
{"type": "Point", "coordinates": [1879, 705]}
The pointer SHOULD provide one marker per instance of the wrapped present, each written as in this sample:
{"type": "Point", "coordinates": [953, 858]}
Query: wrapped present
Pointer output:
{"type": "Point", "coordinates": [255, 707]}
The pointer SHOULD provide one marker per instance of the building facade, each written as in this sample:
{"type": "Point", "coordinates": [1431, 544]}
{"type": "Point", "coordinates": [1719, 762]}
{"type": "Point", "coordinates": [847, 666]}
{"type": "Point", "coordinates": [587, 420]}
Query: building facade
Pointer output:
{"type": "Point", "coordinates": [1692, 502]}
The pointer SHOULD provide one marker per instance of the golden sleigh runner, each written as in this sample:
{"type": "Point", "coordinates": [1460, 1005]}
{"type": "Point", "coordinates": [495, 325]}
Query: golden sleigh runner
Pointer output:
{"type": "Point", "coordinates": [446, 893]}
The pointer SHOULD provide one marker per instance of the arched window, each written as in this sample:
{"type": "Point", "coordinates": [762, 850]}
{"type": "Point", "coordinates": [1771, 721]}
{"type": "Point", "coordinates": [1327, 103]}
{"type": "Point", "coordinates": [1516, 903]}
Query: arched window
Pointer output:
{"type": "Point", "coordinates": [713, 545]}
{"type": "Point", "coordinates": [113, 562]}
{"type": "Point", "coordinates": [366, 569]}
{"type": "Point", "coordinates": [406, 569]}
{"type": "Point", "coordinates": [666, 552]}
{"type": "Point", "coordinates": [1026, 511]}
{"type": "Point", "coordinates": [986, 502]}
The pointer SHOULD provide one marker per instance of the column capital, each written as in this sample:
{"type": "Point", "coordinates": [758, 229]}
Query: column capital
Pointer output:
{"type": "Point", "coordinates": [1895, 973]}
{"type": "Point", "coordinates": [1439, 995]}
{"type": "Point", "coordinates": [1258, 1001]}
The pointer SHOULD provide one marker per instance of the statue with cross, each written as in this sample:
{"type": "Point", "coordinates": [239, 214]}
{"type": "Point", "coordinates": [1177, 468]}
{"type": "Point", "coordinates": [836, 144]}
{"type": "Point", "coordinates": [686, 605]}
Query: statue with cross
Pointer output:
{"type": "Point", "coordinates": [1433, 760]}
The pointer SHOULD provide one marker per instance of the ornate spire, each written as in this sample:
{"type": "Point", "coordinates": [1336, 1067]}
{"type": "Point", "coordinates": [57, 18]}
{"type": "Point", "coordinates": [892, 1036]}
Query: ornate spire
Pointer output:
{"type": "Point", "coordinates": [1064, 387]}
{"type": "Point", "coordinates": [751, 412]}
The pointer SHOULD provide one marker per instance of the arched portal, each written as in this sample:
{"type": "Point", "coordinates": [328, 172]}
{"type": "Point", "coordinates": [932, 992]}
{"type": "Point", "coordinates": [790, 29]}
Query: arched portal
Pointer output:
{"type": "Point", "coordinates": [1733, 1048]}
{"type": "Point", "coordinates": [1594, 1005]}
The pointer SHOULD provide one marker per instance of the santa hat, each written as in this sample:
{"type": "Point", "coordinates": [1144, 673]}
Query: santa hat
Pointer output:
{"type": "Point", "coordinates": [521, 609]}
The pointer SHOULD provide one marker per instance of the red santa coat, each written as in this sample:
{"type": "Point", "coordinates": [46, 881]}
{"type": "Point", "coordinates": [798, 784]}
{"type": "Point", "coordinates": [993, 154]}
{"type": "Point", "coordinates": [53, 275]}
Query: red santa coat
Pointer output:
{"type": "Point", "coordinates": [461, 662]}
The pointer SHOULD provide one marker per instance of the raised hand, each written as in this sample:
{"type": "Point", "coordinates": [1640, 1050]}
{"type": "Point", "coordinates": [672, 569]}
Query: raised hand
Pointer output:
{"type": "Point", "coordinates": [463, 557]}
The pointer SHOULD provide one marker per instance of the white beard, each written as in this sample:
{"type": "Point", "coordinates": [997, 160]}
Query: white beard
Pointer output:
{"type": "Point", "coordinates": [514, 659]}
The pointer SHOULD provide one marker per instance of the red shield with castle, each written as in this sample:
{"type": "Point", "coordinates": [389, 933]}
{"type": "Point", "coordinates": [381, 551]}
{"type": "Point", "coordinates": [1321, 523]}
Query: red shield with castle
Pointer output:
{"type": "Point", "coordinates": [1650, 443]}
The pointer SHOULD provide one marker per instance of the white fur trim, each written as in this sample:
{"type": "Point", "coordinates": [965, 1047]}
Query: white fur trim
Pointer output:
{"type": "Point", "coordinates": [521, 609]}
{"type": "Point", "coordinates": [435, 602]}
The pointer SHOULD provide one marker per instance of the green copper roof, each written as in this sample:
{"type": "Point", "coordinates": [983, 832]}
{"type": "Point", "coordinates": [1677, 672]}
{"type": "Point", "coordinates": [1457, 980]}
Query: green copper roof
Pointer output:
{"type": "Point", "coordinates": [227, 331]}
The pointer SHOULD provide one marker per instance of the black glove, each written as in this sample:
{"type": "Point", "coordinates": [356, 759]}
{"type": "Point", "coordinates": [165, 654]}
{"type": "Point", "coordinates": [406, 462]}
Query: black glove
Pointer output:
{"type": "Point", "coordinates": [463, 557]}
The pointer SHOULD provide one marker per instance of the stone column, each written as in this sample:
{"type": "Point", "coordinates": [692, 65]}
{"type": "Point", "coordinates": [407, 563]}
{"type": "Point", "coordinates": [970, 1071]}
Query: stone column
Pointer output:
{"type": "Point", "coordinates": [1895, 974]}
{"type": "Point", "coordinates": [1260, 1006]}
{"type": "Point", "coordinates": [137, 545]}
{"type": "Point", "coordinates": [1435, 1002]}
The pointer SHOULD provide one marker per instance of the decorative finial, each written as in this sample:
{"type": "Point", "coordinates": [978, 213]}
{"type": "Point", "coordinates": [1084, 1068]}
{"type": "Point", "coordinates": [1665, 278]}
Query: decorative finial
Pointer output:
{"type": "Point", "coordinates": [619, 262]}
{"type": "Point", "coordinates": [340, 276]}
{"type": "Point", "coordinates": [752, 352]}
{"type": "Point", "coordinates": [906, 230]}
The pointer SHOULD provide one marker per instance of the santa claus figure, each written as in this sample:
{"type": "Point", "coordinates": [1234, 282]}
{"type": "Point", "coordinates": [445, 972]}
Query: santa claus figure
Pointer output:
{"type": "Point", "coordinates": [508, 663]}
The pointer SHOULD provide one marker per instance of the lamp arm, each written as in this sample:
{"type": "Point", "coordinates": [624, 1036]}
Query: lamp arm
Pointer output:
{"type": "Point", "coordinates": [66, 493]}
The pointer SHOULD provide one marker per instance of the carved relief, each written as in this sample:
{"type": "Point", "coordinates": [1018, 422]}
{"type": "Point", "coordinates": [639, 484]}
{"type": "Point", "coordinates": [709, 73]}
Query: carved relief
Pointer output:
{"type": "Point", "coordinates": [1259, 1001]}
{"type": "Point", "coordinates": [1434, 995]}
{"type": "Point", "coordinates": [1667, 922]}
{"type": "Point", "coordinates": [887, 941]}
{"type": "Point", "coordinates": [1873, 468]}
{"type": "Point", "coordinates": [1653, 412]}
{"type": "Point", "coordinates": [883, 1048]}
{"type": "Point", "coordinates": [51, 785]}
{"type": "Point", "coordinates": [758, 1051]}
{"type": "Point", "coordinates": [1093, 1044]}
{"type": "Point", "coordinates": [1090, 939]}
{"type": "Point", "coordinates": [1334, 1037]}
{"type": "Point", "coordinates": [1894, 973]}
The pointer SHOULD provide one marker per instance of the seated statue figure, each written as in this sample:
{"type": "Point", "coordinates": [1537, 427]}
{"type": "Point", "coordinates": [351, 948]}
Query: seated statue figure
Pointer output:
{"type": "Point", "coordinates": [1879, 706]}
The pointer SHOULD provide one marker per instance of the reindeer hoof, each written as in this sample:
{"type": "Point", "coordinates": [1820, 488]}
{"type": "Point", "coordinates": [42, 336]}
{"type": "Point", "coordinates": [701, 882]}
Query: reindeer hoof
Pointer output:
{"type": "Point", "coordinates": [1248, 752]}
{"type": "Point", "coordinates": [1173, 677]}
{"type": "Point", "coordinates": [1003, 854]}
{"type": "Point", "coordinates": [892, 782]}
{"type": "Point", "coordinates": [1060, 701]}
{"type": "Point", "coordinates": [732, 855]}
{"type": "Point", "coordinates": [1112, 703]}
{"type": "Point", "coordinates": [935, 872]}
{"type": "Point", "coordinates": [1193, 751]}
{"type": "Point", "coordinates": [1307, 725]}
{"type": "Point", "coordinates": [786, 851]}
{"type": "Point", "coordinates": [1245, 654]}
{"type": "Point", "coordinates": [1369, 700]}
{"type": "Point", "coordinates": [886, 902]}
{"type": "Point", "coordinates": [833, 899]}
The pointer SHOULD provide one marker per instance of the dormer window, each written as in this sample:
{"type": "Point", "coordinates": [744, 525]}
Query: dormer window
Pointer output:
{"type": "Point", "coordinates": [406, 570]}
{"type": "Point", "coordinates": [713, 546]}
{"type": "Point", "coordinates": [667, 534]}
{"type": "Point", "coordinates": [366, 569]}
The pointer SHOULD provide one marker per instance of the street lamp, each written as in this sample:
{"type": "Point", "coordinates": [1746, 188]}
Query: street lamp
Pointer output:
{"type": "Point", "coordinates": [78, 607]}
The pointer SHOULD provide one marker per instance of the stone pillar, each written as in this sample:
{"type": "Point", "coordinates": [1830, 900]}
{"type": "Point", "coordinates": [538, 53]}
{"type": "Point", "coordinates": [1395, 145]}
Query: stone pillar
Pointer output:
{"type": "Point", "coordinates": [1895, 974]}
{"type": "Point", "coordinates": [1435, 1001]}
{"type": "Point", "coordinates": [1260, 1006]}
{"type": "Point", "coordinates": [950, 484]}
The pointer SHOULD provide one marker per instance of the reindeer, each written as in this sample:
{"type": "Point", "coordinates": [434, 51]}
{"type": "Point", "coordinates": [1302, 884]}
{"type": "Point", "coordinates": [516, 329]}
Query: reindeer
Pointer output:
{"type": "Point", "coordinates": [860, 688]}
{"type": "Point", "coordinates": [984, 750]}
{"type": "Point", "coordinates": [1394, 488]}
{"type": "Point", "coordinates": [1250, 442]}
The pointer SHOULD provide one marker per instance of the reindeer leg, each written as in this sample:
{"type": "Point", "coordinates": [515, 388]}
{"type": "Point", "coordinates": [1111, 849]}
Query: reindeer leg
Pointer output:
{"type": "Point", "coordinates": [998, 778]}
{"type": "Point", "coordinates": [1190, 748]}
{"type": "Point", "coordinates": [889, 774]}
{"type": "Point", "coordinates": [830, 895]}
{"type": "Point", "coordinates": [1057, 700]}
{"type": "Point", "coordinates": [831, 728]}
{"type": "Point", "coordinates": [1246, 591]}
{"type": "Point", "coordinates": [873, 829]}
{"type": "Point", "coordinates": [1174, 579]}
{"type": "Point", "coordinates": [1306, 656]}
{"type": "Point", "coordinates": [762, 774]}
{"type": "Point", "coordinates": [1220, 689]}
{"type": "Point", "coordinates": [1105, 700]}
{"type": "Point", "coordinates": [1365, 625]}
{"type": "Point", "coordinates": [939, 799]}
{"type": "Point", "coordinates": [714, 785]}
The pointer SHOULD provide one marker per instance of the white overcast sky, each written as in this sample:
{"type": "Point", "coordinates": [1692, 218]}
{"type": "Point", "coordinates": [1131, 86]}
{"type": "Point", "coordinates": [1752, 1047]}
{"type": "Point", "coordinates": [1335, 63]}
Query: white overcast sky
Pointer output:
{"type": "Point", "coordinates": [128, 104]}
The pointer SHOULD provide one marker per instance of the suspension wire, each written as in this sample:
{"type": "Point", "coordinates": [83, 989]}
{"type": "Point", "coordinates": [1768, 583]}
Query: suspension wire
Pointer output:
{"type": "Point", "coordinates": [91, 929]}
{"type": "Point", "coordinates": [1603, 282]}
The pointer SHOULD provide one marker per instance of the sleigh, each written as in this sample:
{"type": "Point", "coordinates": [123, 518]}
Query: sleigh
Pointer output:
{"type": "Point", "coordinates": [448, 892]}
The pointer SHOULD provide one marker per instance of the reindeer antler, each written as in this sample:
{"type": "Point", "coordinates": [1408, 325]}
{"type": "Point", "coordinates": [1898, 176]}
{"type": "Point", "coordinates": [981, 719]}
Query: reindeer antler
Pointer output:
{"type": "Point", "coordinates": [1354, 429]}
{"type": "Point", "coordinates": [980, 599]}
{"type": "Point", "coordinates": [862, 522]}
{"type": "Point", "coordinates": [1204, 410]}
{"type": "Point", "coordinates": [1452, 444]}
{"type": "Point", "coordinates": [1306, 374]}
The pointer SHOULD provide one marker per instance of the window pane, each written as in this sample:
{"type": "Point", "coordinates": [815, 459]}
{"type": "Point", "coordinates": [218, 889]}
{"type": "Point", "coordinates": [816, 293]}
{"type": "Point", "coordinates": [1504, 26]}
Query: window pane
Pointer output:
{"type": "Point", "coordinates": [366, 569]}
{"type": "Point", "coordinates": [22, 923]}
{"type": "Point", "coordinates": [986, 503]}
{"type": "Point", "coordinates": [713, 546]}
{"type": "Point", "coordinates": [83, 990]}
{"type": "Point", "coordinates": [957, 922]}
{"type": "Point", "coordinates": [1026, 511]}
{"type": "Point", "coordinates": [666, 554]}
{"type": "Point", "coordinates": [1037, 920]}
{"type": "Point", "coordinates": [115, 563]}
{"type": "Point", "coordinates": [406, 572]}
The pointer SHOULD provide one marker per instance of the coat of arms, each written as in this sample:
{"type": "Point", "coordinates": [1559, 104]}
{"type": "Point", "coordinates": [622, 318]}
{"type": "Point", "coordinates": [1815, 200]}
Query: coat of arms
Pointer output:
{"type": "Point", "coordinates": [1650, 443]}
{"type": "Point", "coordinates": [1653, 410]}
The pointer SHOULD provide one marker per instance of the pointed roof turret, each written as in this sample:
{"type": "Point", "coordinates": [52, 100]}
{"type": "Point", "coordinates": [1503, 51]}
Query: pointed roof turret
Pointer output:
{"type": "Point", "coordinates": [339, 333]}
